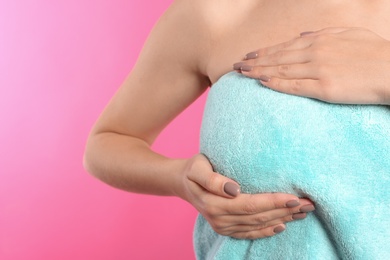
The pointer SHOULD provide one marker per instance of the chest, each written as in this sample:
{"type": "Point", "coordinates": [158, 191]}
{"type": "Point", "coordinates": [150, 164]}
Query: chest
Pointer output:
{"type": "Point", "coordinates": [273, 23]}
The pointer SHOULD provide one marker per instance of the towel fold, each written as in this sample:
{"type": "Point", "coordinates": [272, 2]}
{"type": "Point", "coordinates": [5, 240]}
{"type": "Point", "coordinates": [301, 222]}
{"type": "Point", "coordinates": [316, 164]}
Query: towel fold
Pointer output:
{"type": "Point", "coordinates": [336, 155]}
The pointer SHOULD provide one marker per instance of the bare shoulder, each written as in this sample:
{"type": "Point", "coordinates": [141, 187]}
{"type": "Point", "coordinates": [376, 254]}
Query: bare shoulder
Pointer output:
{"type": "Point", "coordinates": [214, 14]}
{"type": "Point", "coordinates": [182, 35]}
{"type": "Point", "coordinates": [209, 24]}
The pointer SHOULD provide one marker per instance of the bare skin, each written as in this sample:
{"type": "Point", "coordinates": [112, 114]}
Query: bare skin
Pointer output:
{"type": "Point", "coordinates": [192, 46]}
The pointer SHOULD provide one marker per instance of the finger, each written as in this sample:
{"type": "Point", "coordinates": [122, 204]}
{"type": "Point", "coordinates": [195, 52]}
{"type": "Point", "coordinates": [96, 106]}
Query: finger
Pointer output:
{"type": "Point", "coordinates": [282, 57]}
{"type": "Point", "coordinates": [267, 218]}
{"type": "Point", "coordinates": [203, 174]}
{"type": "Point", "coordinates": [283, 214]}
{"type": "Point", "coordinates": [298, 87]}
{"type": "Point", "coordinates": [294, 44]}
{"type": "Point", "coordinates": [262, 225]}
{"type": "Point", "coordinates": [283, 71]}
{"type": "Point", "coordinates": [247, 204]}
{"type": "Point", "coordinates": [253, 227]}
{"type": "Point", "coordinates": [306, 205]}
{"type": "Point", "coordinates": [260, 233]}
{"type": "Point", "coordinates": [227, 225]}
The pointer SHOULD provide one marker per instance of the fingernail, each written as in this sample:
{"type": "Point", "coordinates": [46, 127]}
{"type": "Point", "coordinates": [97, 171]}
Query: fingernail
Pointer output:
{"type": "Point", "coordinates": [292, 203]}
{"type": "Point", "coordinates": [238, 65]}
{"type": "Point", "coordinates": [231, 188]}
{"type": "Point", "coordinates": [264, 78]}
{"type": "Point", "coordinates": [246, 68]}
{"type": "Point", "coordinates": [306, 33]}
{"type": "Point", "coordinates": [298, 216]}
{"type": "Point", "coordinates": [279, 229]}
{"type": "Point", "coordinates": [251, 55]}
{"type": "Point", "coordinates": [307, 208]}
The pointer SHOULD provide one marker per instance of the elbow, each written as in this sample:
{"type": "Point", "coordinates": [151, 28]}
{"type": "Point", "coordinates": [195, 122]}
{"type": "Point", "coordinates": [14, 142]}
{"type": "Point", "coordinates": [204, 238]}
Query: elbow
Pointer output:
{"type": "Point", "coordinates": [95, 157]}
{"type": "Point", "coordinates": [89, 162]}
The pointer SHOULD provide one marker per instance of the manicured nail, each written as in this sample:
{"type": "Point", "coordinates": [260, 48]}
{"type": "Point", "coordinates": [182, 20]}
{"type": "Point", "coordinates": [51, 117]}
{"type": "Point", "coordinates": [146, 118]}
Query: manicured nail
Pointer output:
{"type": "Point", "coordinates": [246, 68]}
{"type": "Point", "coordinates": [298, 216]}
{"type": "Point", "coordinates": [251, 55]}
{"type": "Point", "coordinates": [307, 208]}
{"type": "Point", "coordinates": [279, 229]}
{"type": "Point", "coordinates": [231, 188]}
{"type": "Point", "coordinates": [264, 78]}
{"type": "Point", "coordinates": [306, 33]}
{"type": "Point", "coordinates": [292, 203]}
{"type": "Point", "coordinates": [238, 65]}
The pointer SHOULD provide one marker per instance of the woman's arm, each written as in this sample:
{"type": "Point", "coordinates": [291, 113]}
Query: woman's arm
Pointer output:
{"type": "Point", "coordinates": [169, 76]}
{"type": "Point", "coordinates": [165, 80]}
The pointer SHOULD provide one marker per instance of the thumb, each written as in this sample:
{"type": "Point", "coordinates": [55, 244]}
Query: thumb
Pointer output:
{"type": "Point", "coordinates": [202, 173]}
{"type": "Point", "coordinates": [231, 188]}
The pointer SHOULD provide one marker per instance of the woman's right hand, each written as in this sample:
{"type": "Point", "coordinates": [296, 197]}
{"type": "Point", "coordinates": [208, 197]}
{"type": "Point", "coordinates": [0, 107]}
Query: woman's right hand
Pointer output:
{"type": "Point", "coordinates": [231, 213]}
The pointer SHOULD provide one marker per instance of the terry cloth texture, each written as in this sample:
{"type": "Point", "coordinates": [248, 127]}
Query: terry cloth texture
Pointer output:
{"type": "Point", "coordinates": [336, 155]}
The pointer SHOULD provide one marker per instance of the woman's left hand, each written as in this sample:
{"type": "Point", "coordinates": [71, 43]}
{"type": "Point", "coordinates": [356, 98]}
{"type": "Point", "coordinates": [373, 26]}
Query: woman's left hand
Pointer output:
{"type": "Point", "coordinates": [337, 65]}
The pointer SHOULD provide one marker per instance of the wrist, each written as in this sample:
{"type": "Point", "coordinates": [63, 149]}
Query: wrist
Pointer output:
{"type": "Point", "coordinates": [178, 188]}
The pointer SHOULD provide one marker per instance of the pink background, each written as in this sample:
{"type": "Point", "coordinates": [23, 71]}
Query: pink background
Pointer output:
{"type": "Point", "coordinates": [60, 62]}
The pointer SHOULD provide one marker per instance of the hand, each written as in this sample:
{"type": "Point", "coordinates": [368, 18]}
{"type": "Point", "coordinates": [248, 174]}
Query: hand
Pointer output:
{"type": "Point", "coordinates": [338, 65]}
{"type": "Point", "coordinates": [230, 213]}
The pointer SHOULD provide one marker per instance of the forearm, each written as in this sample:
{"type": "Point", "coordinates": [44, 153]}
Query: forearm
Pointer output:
{"type": "Point", "coordinates": [129, 164]}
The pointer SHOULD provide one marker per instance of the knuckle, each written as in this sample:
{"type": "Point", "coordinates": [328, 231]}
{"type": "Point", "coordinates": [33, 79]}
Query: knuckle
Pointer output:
{"type": "Point", "coordinates": [260, 226]}
{"type": "Point", "coordinates": [250, 235]}
{"type": "Point", "coordinates": [261, 220]}
{"type": "Point", "coordinates": [275, 58]}
{"type": "Point", "coordinates": [211, 182]}
{"type": "Point", "coordinates": [249, 207]}
{"type": "Point", "coordinates": [283, 69]}
{"type": "Point", "coordinates": [295, 86]}
{"type": "Point", "coordinates": [271, 200]}
{"type": "Point", "coordinates": [288, 218]}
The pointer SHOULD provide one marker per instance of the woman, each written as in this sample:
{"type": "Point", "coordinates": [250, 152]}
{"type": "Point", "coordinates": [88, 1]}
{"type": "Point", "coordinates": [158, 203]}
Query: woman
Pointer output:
{"type": "Point", "coordinates": [194, 45]}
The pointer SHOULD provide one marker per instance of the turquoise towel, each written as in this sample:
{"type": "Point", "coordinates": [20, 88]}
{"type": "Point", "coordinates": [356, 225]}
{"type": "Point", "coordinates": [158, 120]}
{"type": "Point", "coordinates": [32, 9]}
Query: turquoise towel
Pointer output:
{"type": "Point", "coordinates": [336, 155]}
